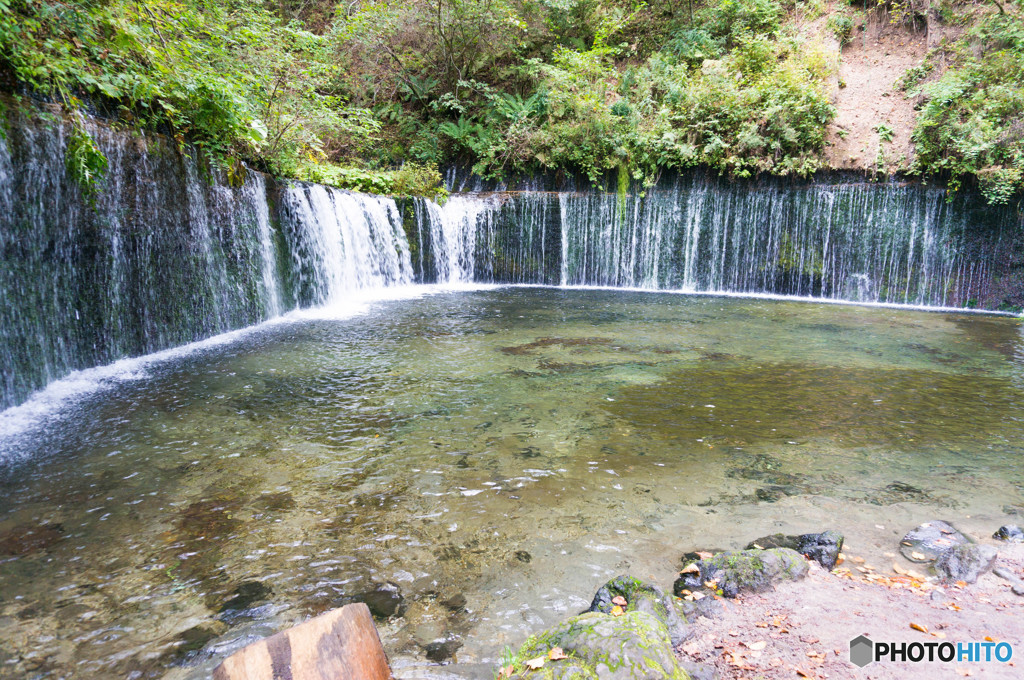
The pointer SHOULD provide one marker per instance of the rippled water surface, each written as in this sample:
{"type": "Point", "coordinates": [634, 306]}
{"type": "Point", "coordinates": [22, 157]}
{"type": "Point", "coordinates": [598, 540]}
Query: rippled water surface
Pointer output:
{"type": "Point", "coordinates": [496, 455]}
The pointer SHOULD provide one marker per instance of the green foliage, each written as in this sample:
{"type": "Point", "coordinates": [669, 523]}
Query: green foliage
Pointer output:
{"type": "Point", "coordinates": [842, 27]}
{"type": "Point", "coordinates": [729, 19]}
{"type": "Point", "coordinates": [914, 75]}
{"type": "Point", "coordinates": [228, 76]}
{"type": "Point", "coordinates": [885, 133]}
{"type": "Point", "coordinates": [972, 123]}
{"type": "Point", "coordinates": [85, 163]}
{"type": "Point", "coordinates": [411, 179]}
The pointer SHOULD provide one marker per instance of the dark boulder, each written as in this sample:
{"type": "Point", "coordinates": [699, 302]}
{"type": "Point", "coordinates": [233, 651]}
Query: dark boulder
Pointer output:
{"type": "Point", "coordinates": [965, 562]}
{"type": "Point", "coordinates": [442, 651]}
{"type": "Point", "coordinates": [384, 601]}
{"type": "Point", "coordinates": [642, 597]}
{"type": "Point", "coordinates": [1009, 532]}
{"type": "Point", "coordinates": [742, 571]}
{"type": "Point", "coordinates": [823, 548]}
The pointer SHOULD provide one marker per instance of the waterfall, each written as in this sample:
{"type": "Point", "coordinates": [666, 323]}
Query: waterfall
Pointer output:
{"type": "Point", "coordinates": [171, 252]}
{"type": "Point", "coordinates": [892, 242]}
{"type": "Point", "coordinates": [168, 254]}
{"type": "Point", "coordinates": [342, 242]}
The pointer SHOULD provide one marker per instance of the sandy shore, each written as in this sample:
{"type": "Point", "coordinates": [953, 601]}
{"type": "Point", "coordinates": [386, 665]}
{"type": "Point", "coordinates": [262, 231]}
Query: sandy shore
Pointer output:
{"type": "Point", "coordinates": [804, 629]}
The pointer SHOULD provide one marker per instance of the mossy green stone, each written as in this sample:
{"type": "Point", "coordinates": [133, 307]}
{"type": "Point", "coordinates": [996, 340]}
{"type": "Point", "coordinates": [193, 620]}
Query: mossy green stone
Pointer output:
{"type": "Point", "coordinates": [634, 646]}
{"type": "Point", "coordinates": [740, 571]}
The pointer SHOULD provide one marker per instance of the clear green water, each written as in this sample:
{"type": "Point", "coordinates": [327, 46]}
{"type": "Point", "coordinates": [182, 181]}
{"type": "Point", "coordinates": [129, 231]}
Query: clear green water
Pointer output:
{"type": "Point", "coordinates": [513, 447]}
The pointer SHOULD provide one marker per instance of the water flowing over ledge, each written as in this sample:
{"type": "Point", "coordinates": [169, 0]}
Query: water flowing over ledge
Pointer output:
{"type": "Point", "coordinates": [172, 253]}
{"type": "Point", "coordinates": [861, 241]}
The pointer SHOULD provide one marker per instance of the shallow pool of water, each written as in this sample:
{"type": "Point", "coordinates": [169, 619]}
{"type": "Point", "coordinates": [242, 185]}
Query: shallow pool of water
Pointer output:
{"type": "Point", "coordinates": [495, 455]}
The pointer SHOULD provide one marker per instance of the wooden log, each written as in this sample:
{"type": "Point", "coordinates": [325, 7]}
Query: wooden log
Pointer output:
{"type": "Point", "coordinates": [341, 644]}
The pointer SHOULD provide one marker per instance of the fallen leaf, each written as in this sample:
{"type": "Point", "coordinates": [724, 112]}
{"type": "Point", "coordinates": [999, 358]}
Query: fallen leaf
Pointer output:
{"type": "Point", "coordinates": [802, 673]}
{"type": "Point", "coordinates": [619, 600]}
{"type": "Point", "coordinates": [704, 555]}
{"type": "Point", "coordinates": [961, 584]}
{"type": "Point", "coordinates": [919, 556]}
{"type": "Point", "coordinates": [989, 638]}
{"type": "Point", "coordinates": [711, 585]}
{"type": "Point", "coordinates": [857, 560]}
{"type": "Point", "coordinates": [900, 570]}
{"type": "Point", "coordinates": [506, 672]}
{"type": "Point", "coordinates": [734, 633]}
{"type": "Point", "coordinates": [690, 569]}
{"type": "Point", "coordinates": [759, 547]}
{"type": "Point", "coordinates": [556, 654]}
{"type": "Point", "coordinates": [941, 636]}
{"type": "Point", "coordinates": [758, 646]}
{"type": "Point", "coordinates": [698, 596]}
{"type": "Point", "coordinates": [535, 664]}
{"type": "Point", "coordinates": [761, 624]}
{"type": "Point", "coordinates": [918, 626]}
{"type": "Point", "coordinates": [617, 611]}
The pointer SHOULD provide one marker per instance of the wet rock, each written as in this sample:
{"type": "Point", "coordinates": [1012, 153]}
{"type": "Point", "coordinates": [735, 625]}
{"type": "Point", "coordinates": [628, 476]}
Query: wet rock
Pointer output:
{"type": "Point", "coordinates": [28, 539]}
{"type": "Point", "coordinates": [965, 562]}
{"type": "Point", "coordinates": [772, 494]}
{"type": "Point", "coordinates": [1009, 532]}
{"type": "Point", "coordinates": [275, 502]}
{"type": "Point", "coordinates": [634, 646]}
{"type": "Point", "coordinates": [642, 597]}
{"type": "Point", "coordinates": [765, 468]}
{"type": "Point", "coordinates": [823, 548]}
{"type": "Point", "coordinates": [929, 541]}
{"type": "Point", "coordinates": [210, 519]}
{"type": "Point", "coordinates": [456, 603]}
{"type": "Point", "coordinates": [899, 492]}
{"type": "Point", "coordinates": [384, 601]}
{"type": "Point", "coordinates": [245, 596]}
{"type": "Point", "coordinates": [742, 571]}
{"type": "Point", "coordinates": [523, 556]}
{"type": "Point", "coordinates": [188, 643]}
{"type": "Point", "coordinates": [442, 651]}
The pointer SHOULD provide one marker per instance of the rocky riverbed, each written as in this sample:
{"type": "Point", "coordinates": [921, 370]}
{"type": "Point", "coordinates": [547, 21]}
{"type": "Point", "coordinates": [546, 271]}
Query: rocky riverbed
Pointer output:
{"type": "Point", "coordinates": [789, 606]}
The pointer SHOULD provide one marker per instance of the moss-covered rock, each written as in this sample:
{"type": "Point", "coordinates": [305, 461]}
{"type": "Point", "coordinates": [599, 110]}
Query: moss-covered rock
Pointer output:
{"type": "Point", "coordinates": [741, 571]}
{"type": "Point", "coordinates": [643, 597]}
{"type": "Point", "coordinates": [633, 646]}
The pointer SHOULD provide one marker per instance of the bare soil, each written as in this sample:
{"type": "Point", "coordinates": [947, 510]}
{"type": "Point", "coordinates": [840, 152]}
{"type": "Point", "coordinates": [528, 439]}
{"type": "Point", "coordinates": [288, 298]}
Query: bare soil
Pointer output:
{"type": "Point", "coordinates": [867, 96]}
{"type": "Point", "coordinates": [803, 629]}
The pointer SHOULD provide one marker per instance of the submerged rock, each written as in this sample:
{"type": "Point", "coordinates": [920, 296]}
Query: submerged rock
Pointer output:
{"type": "Point", "coordinates": [930, 540]}
{"type": "Point", "coordinates": [742, 571]}
{"type": "Point", "coordinates": [244, 597]}
{"type": "Point", "coordinates": [442, 651]}
{"type": "Point", "coordinates": [642, 597]}
{"type": "Point", "coordinates": [823, 548]}
{"type": "Point", "coordinates": [30, 538]}
{"type": "Point", "coordinates": [384, 601]}
{"type": "Point", "coordinates": [1009, 532]}
{"type": "Point", "coordinates": [965, 562]}
{"type": "Point", "coordinates": [634, 646]}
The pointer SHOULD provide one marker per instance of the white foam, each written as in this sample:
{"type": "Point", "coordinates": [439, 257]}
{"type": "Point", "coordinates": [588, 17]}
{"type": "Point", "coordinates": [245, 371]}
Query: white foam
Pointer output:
{"type": "Point", "coordinates": [59, 396]}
